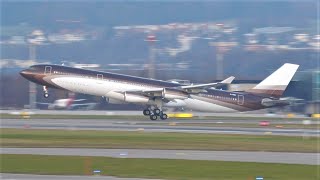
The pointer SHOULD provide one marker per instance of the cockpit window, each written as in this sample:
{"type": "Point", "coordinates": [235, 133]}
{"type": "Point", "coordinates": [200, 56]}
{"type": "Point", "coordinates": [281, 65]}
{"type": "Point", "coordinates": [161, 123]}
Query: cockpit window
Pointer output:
{"type": "Point", "coordinates": [33, 68]}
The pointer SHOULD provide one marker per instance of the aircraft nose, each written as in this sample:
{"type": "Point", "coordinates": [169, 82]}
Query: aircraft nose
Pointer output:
{"type": "Point", "coordinates": [24, 73]}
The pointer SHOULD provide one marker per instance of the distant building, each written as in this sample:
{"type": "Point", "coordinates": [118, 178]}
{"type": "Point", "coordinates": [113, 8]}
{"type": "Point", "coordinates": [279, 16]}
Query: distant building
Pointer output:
{"type": "Point", "coordinates": [306, 86]}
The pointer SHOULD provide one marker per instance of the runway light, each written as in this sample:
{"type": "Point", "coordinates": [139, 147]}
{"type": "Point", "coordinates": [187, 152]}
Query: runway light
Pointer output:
{"type": "Point", "coordinates": [96, 172]}
{"type": "Point", "coordinates": [123, 155]}
{"type": "Point", "coordinates": [25, 115]}
{"type": "Point", "coordinates": [306, 122]}
{"type": "Point", "coordinates": [290, 115]}
{"type": "Point", "coordinates": [264, 123]}
{"type": "Point", "coordinates": [172, 124]}
{"type": "Point", "coordinates": [26, 126]}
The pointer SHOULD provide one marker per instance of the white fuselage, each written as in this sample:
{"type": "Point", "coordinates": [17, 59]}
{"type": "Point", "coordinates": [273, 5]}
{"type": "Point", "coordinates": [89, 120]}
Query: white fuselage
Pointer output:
{"type": "Point", "coordinates": [107, 87]}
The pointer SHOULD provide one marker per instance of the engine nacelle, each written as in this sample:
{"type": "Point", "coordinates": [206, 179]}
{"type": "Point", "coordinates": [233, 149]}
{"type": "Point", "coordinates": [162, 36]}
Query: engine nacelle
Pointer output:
{"type": "Point", "coordinates": [128, 97]}
{"type": "Point", "coordinates": [114, 101]}
{"type": "Point", "coordinates": [174, 94]}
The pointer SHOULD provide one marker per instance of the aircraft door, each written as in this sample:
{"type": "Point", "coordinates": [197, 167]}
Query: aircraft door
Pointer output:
{"type": "Point", "coordinates": [100, 78]}
{"type": "Point", "coordinates": [47, 70]}
{"type": "Point", "coordinates": [240, 99]}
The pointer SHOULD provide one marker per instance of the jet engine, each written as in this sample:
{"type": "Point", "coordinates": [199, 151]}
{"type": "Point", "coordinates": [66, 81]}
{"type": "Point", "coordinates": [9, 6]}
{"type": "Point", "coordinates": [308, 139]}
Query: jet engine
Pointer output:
{"type": "Point", "coordinates": [128, 97]}
{"type": "Point", "coordinates": [174, 94]}
{"type": "Point", "coordinates": [114, 101]}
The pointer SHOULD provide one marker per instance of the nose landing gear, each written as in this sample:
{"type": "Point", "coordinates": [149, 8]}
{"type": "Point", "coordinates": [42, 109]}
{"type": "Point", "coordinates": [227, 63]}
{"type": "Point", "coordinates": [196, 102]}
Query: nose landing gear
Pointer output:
{"type": "Point", "coordinates": [46, 93]}
{"type": "Point", "coordinates": [155, 113]}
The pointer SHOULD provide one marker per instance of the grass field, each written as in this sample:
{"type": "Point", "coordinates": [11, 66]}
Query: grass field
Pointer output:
{"type": "Point", "coordinates": [145, 140]}
{"type": "Point", "coordinates": [154, 168]}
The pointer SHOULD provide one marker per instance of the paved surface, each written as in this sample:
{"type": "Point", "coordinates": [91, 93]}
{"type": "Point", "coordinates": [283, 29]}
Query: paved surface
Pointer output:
{"type": "Point", "coordinates": [260, 113]}
{"type": "Point", "coordinates": [198, 121]}
{"type": "Point", "coordinates": [148, 126]}
{"type": "Point", "coordinates": [6, 176]}
{"type": "Point", "coordinates": [241, 156]}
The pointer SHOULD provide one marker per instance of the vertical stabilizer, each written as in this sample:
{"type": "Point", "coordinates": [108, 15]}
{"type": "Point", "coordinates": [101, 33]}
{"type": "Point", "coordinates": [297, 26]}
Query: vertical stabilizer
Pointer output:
{"type": "Point", "coordinates": [275, 84]}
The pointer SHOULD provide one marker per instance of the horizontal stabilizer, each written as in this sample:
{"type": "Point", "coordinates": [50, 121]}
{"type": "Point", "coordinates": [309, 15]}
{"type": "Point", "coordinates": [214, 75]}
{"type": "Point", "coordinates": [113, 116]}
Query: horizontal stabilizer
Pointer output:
{"type": "Point", "coordinates": [282, 101]}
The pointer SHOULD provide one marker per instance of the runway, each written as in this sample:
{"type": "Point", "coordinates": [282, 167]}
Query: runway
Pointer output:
{"type": "Point", "coordinates": [260, 113]}
{"type": "Point", "coordinates": [240, 156]}
{"type": "Point", "coordinates": [156, 126]}
{"type": "Point", "coordinates": [7, 176]}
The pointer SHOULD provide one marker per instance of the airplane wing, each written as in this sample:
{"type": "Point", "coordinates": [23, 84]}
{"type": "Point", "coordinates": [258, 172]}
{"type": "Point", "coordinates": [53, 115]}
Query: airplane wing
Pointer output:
{"type": "Point", "coordinates": [155, 92]}
{"type": "Point", "coordinates": [200, 87]}
{"type": "Point", "coordinates": [180, 92]}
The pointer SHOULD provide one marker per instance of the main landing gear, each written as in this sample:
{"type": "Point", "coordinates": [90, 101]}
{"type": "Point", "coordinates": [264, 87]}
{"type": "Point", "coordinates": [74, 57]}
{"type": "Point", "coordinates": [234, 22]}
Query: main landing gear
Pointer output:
{"type": "Point", "coordinates": [154, 114]}
{"type": "Point", "coordinates": [46, 93]}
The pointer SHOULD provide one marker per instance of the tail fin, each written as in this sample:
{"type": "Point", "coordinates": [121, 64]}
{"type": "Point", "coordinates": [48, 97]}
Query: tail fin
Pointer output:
{"type": "Point", "coordinates": [275, 84]}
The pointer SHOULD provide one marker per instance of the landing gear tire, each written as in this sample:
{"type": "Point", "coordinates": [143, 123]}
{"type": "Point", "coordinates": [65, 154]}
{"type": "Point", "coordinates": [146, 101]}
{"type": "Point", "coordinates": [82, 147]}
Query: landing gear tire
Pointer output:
{"type": "Point", "coordinates": [163, 116]}
{"type": "Point", "coordinates": [153, 117]}
{"type": "Point", "coordinates": [157, 112]}
{"type": "Point", "coordinates": [146, 112]}
{"type": "Point", "coordinates": [45, 95]}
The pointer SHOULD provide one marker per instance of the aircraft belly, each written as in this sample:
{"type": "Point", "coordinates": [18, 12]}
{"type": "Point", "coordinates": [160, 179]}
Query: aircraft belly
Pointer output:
{"type": "Point", "coordinates": [92, 86]}
{"type": "Point", "coordinates": [199, 105]}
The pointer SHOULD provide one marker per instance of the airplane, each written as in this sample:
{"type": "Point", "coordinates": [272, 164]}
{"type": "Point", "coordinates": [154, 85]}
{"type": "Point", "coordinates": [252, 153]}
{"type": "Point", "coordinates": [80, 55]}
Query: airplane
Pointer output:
{"type": "Point", "coordinates": [155, 94]}
{"type": "Point", "coordinates": [68, 103]}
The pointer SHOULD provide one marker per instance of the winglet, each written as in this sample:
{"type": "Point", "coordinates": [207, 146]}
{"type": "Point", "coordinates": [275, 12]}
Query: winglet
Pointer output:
{"type": "Point", "coordinates": [228, 80]}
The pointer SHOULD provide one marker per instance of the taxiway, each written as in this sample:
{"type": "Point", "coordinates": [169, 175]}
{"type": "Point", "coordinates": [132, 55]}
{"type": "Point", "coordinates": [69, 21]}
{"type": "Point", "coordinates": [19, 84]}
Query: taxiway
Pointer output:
{"type": "Point", "coordinates": [240, 156]}
{"type": "Point", "coordinates": [156, 126]}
